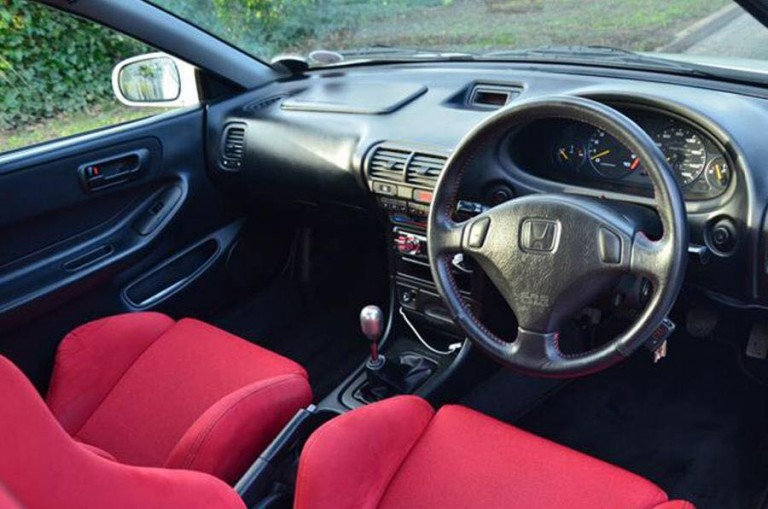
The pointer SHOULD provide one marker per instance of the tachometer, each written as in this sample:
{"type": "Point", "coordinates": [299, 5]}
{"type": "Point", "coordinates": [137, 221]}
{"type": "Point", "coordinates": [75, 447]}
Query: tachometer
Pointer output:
{"type": "Point", "coordinates": [609, 157]}
{"type": "Point", "coordinates": [684, 150]}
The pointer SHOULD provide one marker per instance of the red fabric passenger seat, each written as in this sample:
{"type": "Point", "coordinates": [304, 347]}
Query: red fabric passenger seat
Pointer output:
{"type": "Point", "coordinates": [149, 391]}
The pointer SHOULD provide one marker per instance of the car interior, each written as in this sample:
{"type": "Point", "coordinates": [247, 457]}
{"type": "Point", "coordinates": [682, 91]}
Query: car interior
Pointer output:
{"type": "Point", "coordinates": [397, 284]}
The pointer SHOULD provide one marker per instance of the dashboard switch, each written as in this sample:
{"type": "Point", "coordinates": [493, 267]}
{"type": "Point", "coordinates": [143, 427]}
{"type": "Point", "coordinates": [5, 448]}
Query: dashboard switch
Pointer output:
{"type": "Point", "coordinates": [422, 196]}
{"type": "Point", "coordinates": [385, 188]}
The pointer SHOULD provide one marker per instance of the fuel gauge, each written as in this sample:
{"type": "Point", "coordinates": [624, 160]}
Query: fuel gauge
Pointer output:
{"type": "Point", "coordinates": [569, 155]}
{"type": "Point", "coordinates": [718, 174]}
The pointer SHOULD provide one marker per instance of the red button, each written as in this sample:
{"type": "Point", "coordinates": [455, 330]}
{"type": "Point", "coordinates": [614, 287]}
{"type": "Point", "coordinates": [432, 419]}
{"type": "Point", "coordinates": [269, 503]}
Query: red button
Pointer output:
{"type": "Point", "coordinates": [422, 196]}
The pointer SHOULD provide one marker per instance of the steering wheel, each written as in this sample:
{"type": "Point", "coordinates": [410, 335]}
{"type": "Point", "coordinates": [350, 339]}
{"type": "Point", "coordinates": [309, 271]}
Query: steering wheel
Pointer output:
{"type": "Point", "coordinates": [550, 255]}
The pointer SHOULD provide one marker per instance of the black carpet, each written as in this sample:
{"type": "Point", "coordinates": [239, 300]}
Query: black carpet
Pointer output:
{"type": "Point", "coordinates": [325, 339]}
{"type": "Point", "coordinates": [693, 424]}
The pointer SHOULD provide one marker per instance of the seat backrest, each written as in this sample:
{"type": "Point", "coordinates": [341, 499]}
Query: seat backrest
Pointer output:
{"type": "Point", "coordinates": [41, 466]}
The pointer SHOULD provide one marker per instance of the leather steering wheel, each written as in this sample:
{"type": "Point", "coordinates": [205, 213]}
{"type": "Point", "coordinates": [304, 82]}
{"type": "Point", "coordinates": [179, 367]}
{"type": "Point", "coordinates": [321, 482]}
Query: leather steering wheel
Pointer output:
{"type": "Point", "coordinates": [550, 255]}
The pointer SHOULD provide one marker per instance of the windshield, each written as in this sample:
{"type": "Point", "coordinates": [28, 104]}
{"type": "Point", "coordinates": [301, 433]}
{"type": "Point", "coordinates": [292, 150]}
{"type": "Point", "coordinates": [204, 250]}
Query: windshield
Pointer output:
{"type": "Point", "coordinates": [349, 30]}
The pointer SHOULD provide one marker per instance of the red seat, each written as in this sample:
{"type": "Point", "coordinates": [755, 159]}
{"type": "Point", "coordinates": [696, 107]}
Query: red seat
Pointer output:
{"type": "Point", "coordinates": [400, 454]}
{"type": "Point", "coordinates": [145, 390]}
{"type": "Point", "coordinates": [42, 467]}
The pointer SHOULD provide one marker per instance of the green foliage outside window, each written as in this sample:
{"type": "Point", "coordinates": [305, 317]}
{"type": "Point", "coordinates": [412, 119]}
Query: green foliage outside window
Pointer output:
{"type": "Point", "coordinates": [52, 62]}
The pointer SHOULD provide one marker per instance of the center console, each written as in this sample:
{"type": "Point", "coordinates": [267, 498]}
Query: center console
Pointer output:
{"type": "Point", "coordinates": [420, 342]}
{"type": "Point", "coordinates": [402, 181]}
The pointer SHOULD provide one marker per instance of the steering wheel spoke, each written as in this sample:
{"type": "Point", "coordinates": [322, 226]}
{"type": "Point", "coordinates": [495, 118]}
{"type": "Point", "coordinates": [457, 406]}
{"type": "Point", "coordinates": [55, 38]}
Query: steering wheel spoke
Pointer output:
{"type": "Point", "coordinates": [650, 258]}
{"type": "Point", "coordinates": [537, 348]}
{"type": "Point", "coordinates": [448, 237]}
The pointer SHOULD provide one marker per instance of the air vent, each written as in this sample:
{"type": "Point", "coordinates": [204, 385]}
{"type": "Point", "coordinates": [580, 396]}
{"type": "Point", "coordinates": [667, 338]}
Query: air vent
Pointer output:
{"type": "Point", "coordinates": [491, 97]}
{"type": "Point", "coordinates": [424, 169]}
{"type": "Point", "coordinates": [396, 164]}
{"type": "Point", "coordinates": [388, 164]}
{"type": "Point", "coordinates": [233, 147]}
{"type": "Point", "coordinates": [260, 104]}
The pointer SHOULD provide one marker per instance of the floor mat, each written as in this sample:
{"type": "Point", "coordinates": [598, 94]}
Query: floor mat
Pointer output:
{"type": "Point", "coordinates": [693, 424]}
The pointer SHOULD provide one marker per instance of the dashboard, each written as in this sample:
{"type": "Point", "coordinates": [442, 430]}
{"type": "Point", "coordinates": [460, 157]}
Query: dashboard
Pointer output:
{"type": "Point", "coordinates": [375, 139]}
{"type": "Point", "coordinates": [580, 154]}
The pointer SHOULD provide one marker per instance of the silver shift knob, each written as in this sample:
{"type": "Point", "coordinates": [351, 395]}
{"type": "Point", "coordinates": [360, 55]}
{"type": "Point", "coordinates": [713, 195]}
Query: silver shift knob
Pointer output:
{"type": "Point", "coordinates": [372, 323]}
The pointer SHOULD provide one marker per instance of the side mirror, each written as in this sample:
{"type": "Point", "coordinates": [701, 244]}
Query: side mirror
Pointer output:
{"type": "Point", "coordinates": [155, 80]}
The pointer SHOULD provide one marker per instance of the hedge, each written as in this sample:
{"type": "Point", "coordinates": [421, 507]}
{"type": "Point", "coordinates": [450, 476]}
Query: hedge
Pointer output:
{"type": "Point", "coordinates": [52, 62]}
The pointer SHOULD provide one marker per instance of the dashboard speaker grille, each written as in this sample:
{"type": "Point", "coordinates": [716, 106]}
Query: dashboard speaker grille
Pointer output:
{"type": "Point", "coordinates": [260, 104]}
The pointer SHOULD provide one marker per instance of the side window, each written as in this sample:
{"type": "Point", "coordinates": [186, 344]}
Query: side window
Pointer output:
{"type": "Point", "coordinates": [56, 76]}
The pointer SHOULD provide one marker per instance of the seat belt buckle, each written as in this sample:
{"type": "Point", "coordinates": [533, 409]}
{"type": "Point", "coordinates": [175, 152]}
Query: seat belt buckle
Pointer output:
{"type": "Point", "coordinates": [657, 343]}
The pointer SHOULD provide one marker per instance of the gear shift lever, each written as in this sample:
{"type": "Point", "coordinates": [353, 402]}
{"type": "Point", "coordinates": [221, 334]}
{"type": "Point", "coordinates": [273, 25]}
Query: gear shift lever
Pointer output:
{"type": "Point", "coordinates": [401, 375]}
{"type": "Point", "coordinates": [372, 325]}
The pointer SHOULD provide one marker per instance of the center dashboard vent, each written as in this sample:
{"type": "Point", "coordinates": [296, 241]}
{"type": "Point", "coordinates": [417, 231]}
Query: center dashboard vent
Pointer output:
{"type": "Point", "coordinates": [388, 164]}
{"type": "Point", "coordinates": [491, 97]}
{"type": "Point", "coordinates": [232, 147]}
{"type": "Point", "coordinates": [424, 169]}
{"type": "Point", "coordinates": [401, 165]}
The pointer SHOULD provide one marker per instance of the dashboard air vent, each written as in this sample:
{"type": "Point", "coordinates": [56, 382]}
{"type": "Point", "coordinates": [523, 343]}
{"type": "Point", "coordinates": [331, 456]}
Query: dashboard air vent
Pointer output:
{"type": "Point", "coordinates": [403, 165]}
{"type": "Point", "coordinates": [233, 147]}
{"type": "Point", "coordinates": [491, 97]}
{"type": "Point", "coordinates": [424, 169]}
{"type": "Point", "coordinates": [388, 164]}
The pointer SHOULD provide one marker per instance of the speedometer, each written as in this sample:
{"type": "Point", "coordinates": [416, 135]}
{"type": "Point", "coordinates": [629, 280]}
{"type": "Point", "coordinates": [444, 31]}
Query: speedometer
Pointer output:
{"type": "Point", "coordinates": [684, 151]}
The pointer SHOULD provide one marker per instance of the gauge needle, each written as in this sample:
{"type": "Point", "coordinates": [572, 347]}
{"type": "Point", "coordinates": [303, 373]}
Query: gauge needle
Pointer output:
{"type": "Point", "coordinates": [718, 172]}
{"type": "Point", "coordinates": [601, 154]}
{"type": "Point", "coordinates": [634, 164]}
{"type": "Point", "coordinates": [562, 153]}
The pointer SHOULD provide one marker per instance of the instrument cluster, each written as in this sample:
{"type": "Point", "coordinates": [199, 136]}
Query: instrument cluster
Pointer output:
{"type": "Point", "coordinates": [577, 153]}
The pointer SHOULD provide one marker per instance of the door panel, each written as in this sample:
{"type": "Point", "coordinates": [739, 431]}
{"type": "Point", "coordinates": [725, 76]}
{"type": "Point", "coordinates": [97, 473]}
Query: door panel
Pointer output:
{"type": "Point", "coordinates": [70, 252]}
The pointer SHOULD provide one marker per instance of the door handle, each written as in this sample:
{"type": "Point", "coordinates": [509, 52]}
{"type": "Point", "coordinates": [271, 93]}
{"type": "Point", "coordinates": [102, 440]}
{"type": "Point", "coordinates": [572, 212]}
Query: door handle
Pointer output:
{"type": "Point", "coordinates": [114, 170]}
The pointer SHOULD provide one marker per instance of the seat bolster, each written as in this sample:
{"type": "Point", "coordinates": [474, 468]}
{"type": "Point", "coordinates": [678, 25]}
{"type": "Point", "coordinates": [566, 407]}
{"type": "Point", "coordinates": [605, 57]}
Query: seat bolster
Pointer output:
{"type": "Point", "coordinates": [349, 461]}
{"type": "Point", "coordinates": [91, 360]}
{"type": "Point", "coordinates": [95, 450]}
{"type": "Point", "coordinates": [42, 466]}
{"type": "Point", "coordinates": [227, 437]}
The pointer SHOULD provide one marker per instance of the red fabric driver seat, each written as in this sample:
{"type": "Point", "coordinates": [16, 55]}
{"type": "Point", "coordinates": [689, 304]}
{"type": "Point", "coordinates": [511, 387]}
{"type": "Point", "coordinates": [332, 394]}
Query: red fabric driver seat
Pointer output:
{"type": "Point", "coordinates": [145, 390]}
{"type": "Point", "coordinates": [400, 454]}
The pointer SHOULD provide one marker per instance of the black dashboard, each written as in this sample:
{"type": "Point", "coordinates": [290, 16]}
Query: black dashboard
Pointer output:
{"type": "Point", "coordinates": [375, 138]}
